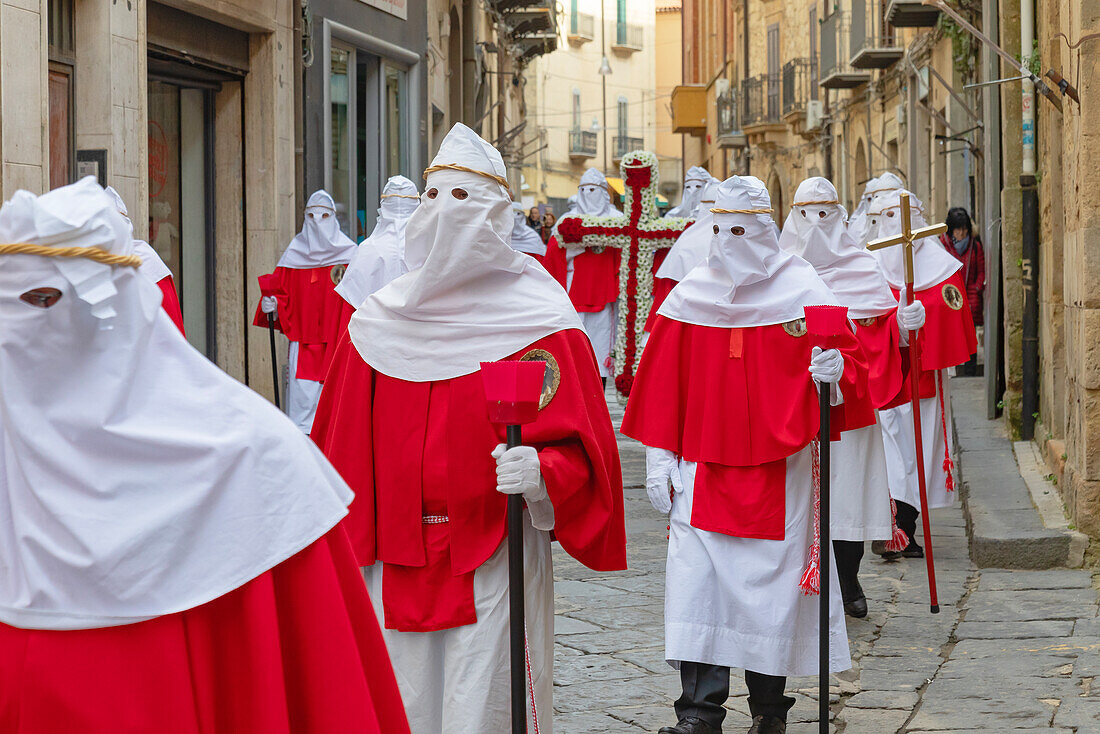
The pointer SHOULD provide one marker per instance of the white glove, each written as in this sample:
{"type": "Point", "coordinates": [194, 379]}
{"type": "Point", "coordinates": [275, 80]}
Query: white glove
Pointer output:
{"type": "Point", "coordinates": [826, 366]}
{"type": "Point", "coordinates": [911, 317]}
{"type": "Point", "coordinates": [519, 472]}
{"type": "Point", "coordinates": [268, 304]}
{"type": "Point", "coordinates": [661, 467]}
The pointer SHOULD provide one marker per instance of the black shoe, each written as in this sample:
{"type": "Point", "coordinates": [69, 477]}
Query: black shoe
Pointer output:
{"type": "Point", "coordinates": [912, 550]}
{"type": "Point", "coordinates": [856, 608]}
{"type": "Point", "coordinates": [690, 725]}
{"type": "Point", "coordinates": [768, 725]}
{"type": "Point", "coordinates": [878, 547]}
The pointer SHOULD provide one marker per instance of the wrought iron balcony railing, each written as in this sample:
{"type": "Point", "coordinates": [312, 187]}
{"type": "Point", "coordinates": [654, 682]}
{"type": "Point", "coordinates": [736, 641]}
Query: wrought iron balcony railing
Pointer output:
{"type": "Point", "coordinates": [796, 86]}
{"type": "Point", "coordinates": [624, 144]}
{"type": "Point", "coordinates": [582, 143]}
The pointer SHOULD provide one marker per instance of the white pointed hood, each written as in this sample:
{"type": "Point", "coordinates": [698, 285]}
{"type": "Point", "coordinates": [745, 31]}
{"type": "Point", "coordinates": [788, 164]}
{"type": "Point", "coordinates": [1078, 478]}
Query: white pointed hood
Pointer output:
{"type": "Point", "coordinates": [746, 280]}
{"type": "Point", "coordinates": [524, 238]}
{"type": "Point", "coordinates": [594, 196]}
{"type": "Point", "coordinates": [931, 263]}
{"type": "Point", "coordinates": [695, 180]}
{"type": "Point", "coordinates": [321, 242]}
{"type": "Point", "coordinates": [693, 246]}
{"type": "Point", "coordinates": [381, 257]}
{"type": "Point", "coordinates": [815, 231]}
{"type": "Point", "coordinates": [469, 297]}
{"type": "Point", "coordinates": [152, 267]}
{"type": "Point", "coordinates": [136, 478]}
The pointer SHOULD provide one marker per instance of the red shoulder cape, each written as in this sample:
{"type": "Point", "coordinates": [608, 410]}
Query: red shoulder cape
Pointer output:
{"type": "Point", "coordinates": [595, 280]}
{"type": "Point", "coordinates": [554, 261]}
{"type": "Point", "coordinates": [171, 302]}
{"type": "Point", "coordinates": [310, 312]}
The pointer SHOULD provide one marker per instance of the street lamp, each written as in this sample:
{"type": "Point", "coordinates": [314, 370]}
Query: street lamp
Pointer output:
{"type": "Point", "coordinates": [605, 71]}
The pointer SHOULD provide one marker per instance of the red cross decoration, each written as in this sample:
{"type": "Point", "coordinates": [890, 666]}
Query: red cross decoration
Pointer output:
{"type": "Point", "coordinates": [639, 234]}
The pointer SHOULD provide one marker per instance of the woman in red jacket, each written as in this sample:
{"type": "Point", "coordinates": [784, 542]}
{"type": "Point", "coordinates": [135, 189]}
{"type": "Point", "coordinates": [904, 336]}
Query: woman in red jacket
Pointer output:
{"type": "Point", "coordinates": [961, 241]}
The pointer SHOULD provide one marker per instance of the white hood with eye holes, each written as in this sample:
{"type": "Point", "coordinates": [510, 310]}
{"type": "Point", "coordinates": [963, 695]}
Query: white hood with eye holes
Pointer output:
{"type": "Point", "coordinates": [320, 243]}
{"type": "Point", "coordinates": [470, 297]}
{"type": "Point", "coordinates": [693, 246]}
{"type": "Point", "coordinates": [593, 196]}
{"type": "Point", "coordinates": [932, 264]}
{"type": "Point", "coordinates": [746, 280]}
{"type": "Point", "coordinates": [381, 257]}
{"type": "Point", "coordinates": [136, 478]}
{"type": "Point", "coordinates": [695, 180]}
{"type": "Point", "coordinates": [816, 232]}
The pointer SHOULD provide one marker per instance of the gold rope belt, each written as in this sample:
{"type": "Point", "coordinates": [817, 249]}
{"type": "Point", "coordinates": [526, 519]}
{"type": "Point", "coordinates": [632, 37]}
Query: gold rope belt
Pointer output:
{"type": "Point", "coordinates": [455, 167]}
{"type": "Point", "coordinates": [879, 191]}
{"type": "Point", "coordinates": [895, 206]}
{"type": "Point", "coordinates": [814, 203]}
{"type": "Point", "coordinates": [400, 196]}
{"type": "Point", "coordinates": [91, 253]}
{"type": "Point", "coordinates": [740, 211]}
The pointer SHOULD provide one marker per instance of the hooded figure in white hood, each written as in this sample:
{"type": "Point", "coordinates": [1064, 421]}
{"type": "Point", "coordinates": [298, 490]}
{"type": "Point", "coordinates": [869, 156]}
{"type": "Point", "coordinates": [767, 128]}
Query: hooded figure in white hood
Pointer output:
{"type": "Point", "coordinates": [403, 418]}
{"type": "Point", "coordinates": [815, 230]}
{"type": "Point", "coordinates": [693, 246]}
{"type": "Point", "coordinates": [730, 340]}
{"type": "Point", "coordinates": [381, 257]}
{"type": "Point", "coordinates": [524, 238]}
{"type": "Point", "coordinates": [863, 226]}
{"type": "Point", "coordinates": [695, 180]}
{"type": "Point", "coordinates": [301, 297]}
{"type": "Point", "coordinates": [947, 339]}
{"type": "Point", "coordinates": [163, 524]}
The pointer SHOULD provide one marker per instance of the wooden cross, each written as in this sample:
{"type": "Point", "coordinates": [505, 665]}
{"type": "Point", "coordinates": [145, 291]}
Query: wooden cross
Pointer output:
{"type": "Point", "coordinates": [641, 233]}
{"type": "Point", "coordinates": [906, 239]}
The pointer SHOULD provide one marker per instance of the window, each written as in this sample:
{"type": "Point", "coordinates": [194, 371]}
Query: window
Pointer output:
{"type": "Point", "coordinates": [62, 53]}
{"type": "Point", "coordinates": [620, 22]}
{"type": "Point", "coordinates": [576, 108]}
{"type": "Point", "coordinates": [573, 17]}
{"type": "Point", "coordinates": [773, 71]}
{"type": "Point", "coordinates": [623, 127]}
{"type": "Point", "coordinates": [813, 52]}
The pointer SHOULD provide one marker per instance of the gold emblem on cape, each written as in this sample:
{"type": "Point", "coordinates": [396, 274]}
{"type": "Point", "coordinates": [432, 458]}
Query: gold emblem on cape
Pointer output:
{"type": "Point", "coordinates": [337, 273]}
{"type": "Point", "coordinates": [952, 297]}
{"type": "Point", "coordinates": [866, 322]}
{"type": "Point", "coordinates": [796, 327]}
{"type": "Point", "coordinates": [551, 379]}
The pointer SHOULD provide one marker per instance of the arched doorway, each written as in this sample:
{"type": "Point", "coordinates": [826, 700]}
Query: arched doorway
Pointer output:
{"type": "Point", "coordinates": [775, 191]}
{"type": "Point", "coordinates": [861, 174]}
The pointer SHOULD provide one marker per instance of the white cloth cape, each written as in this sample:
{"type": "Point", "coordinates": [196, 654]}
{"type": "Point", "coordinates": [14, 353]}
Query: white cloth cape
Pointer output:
{"type": "Point", "coordinates": [136, 478]}
{"type": "Point", "coordinates": [736, 601]}
{"type": "Point", "coordinates": [524, 238]}
{"type": "Point", "coordinates": [850, 272]}
{"type": "Point", "coordinates": [381, 257]}
{"type": "Point", "coordinates": [470, 297]}
{"type": "Point", "coordinates": [320, 243]}
{"type": "Point", "coordinates": [747, 280]}
{"type": "Point", "coordinates": [931, 263]}
{"type": "Point", "coordinates": [693, 245]}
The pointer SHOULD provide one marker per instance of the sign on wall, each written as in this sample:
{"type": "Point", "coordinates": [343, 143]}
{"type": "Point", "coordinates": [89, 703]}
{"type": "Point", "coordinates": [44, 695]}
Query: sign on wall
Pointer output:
{"type": "Point", "coordinates": [400, 8]}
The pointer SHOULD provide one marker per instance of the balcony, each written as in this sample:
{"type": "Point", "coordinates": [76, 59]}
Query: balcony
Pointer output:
{"type": "Point", "coordinates": [628, 38]}
{"type": "Point", "coordinates": [689, 109]}
{"type": "Point", "coordinates": [872, 41]}
{"type": "Point", "coordinates": [760, 101]}
{"type": "Point", "coordinates": [531, 24]}
{"type": "Point", "coordinates": [728, 123]}
{"type": "Point", "coordinates": [911, 14]}
{"type": "Point", "coordinates": [796, 87]}
{"type": "Point", "coordinates": [624, 145]}
{"type": "Point", "coordinates": [582, 28]}
{"type": "Point", "coordinates": [582, 144]}
{"type": "Point", "coordinates": [836, 69]}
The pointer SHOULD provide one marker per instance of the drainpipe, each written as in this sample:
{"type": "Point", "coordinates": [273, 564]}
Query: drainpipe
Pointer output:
{"type": "Point", "coordinates": [745, 73]}
{"type": "Point", "coordinates": [1029, 193]}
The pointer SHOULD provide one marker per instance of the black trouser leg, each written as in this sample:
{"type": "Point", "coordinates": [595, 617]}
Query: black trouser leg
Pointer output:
{"type": "Point", "coordinates": [706, 688]}
{"type": "Point", "coordinates": [848, 554]}
{"type": "Point", "coordinates": [766, 695]}
{"type": "Point", "coordinates": [907, 518]}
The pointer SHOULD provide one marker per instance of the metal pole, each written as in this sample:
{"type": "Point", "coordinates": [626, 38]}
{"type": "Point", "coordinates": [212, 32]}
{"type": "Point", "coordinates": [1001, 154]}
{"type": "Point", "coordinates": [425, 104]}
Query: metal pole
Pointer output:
{"type": "Point", "coordinates": [516, 636]}
{"type": "Point", "coordinates": [826, 547]}
{"type": "Point", "coordinates": [603, 78]}
{"type": "Point", "coordinates": [1029, 208]}
{"type": "Point", "coordinates": [991, 211]}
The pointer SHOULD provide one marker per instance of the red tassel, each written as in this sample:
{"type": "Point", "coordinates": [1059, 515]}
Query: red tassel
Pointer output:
{"type": "Point", "coordinates": [948, 464]}
{"type": "Point", "coordinates": [810, 583]}
{"type": "Point", "coordinates": [899, 541]}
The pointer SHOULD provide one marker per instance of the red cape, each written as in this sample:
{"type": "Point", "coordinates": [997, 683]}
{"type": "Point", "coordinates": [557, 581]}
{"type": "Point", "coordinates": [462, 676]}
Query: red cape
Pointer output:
{"type": "Point", "coordinates": [171, 302]}
{"type": "Point", "coordinates": [554, 261]}
{"type": "Point", "coordinates": [310, 312]}
{"type": "Point", "coordinates": [296, 650]}
{"type": "Point", "coordinates": [661, 288]}
{"type": "Point", "coordinates": [433, 441]}
{"type": "Point", "coordinates": [595, 280]}
{"type": "Point", "coordinates": [738, 402]}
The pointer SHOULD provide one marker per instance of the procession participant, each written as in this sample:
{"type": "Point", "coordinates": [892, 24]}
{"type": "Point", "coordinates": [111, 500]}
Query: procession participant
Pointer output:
{"type": "Point", "coordinates": [381, 257]}
{"type": "Point", "coordinates": [152, 267]}
{"type": "Point", "coordinates": [592, 276]}
{"type": "Point", "coordinates": [693, 245]}
{"type": "Point", "coordinates": [862, 227]}
{"type": "Point", "coordinates": [857, 222]}
{"type": "Point", "coordinates": [695, 180]}
{"type": "Point", "coordinates": [403, 418]}
{"type": "Point", "coordinates": [947, 339]}
{"type": "Point", "coordinates": [731, 341]}
{"type": "Point", "coordinates": [524, 239]}
{"type": "Point", "coordinates": [170, 551]}
{"type": "Point", "coordinates": [301, 297]}
{"type": "Point", "coordinates": [861, 508]}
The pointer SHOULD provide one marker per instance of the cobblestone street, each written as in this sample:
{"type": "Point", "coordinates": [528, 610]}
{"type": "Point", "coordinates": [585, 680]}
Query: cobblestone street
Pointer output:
{"type": "Point", "coordinates": [1011, 650]}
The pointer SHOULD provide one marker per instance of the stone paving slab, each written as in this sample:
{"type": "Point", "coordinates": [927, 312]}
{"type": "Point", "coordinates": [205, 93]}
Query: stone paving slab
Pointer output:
{"type": "Point", "coordinates": [1011, 651]}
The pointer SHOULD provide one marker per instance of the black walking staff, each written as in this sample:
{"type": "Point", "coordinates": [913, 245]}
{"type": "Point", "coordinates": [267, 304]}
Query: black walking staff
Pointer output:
{"type": "Point", "coordinates": [513, 390]}
{"type": "Point", "coordinates": [824, 324]}
{"type": "Point", "coordinates": [274, 359]}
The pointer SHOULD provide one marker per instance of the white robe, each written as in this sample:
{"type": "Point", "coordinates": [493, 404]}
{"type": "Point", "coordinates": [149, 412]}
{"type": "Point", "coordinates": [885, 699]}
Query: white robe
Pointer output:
{"type": "Point", "coordinates": [301, 395]}
{"type": "Point", "coordinates": [897, 435]}
{"type": "Point", "coordinates": [736, 601]}
{"type": "Point", "coordinates": [600, 326]}
{"type": "Point", "coordinates": [456, 681]}
{"type": "Point", "coordinates": [859, 488]}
